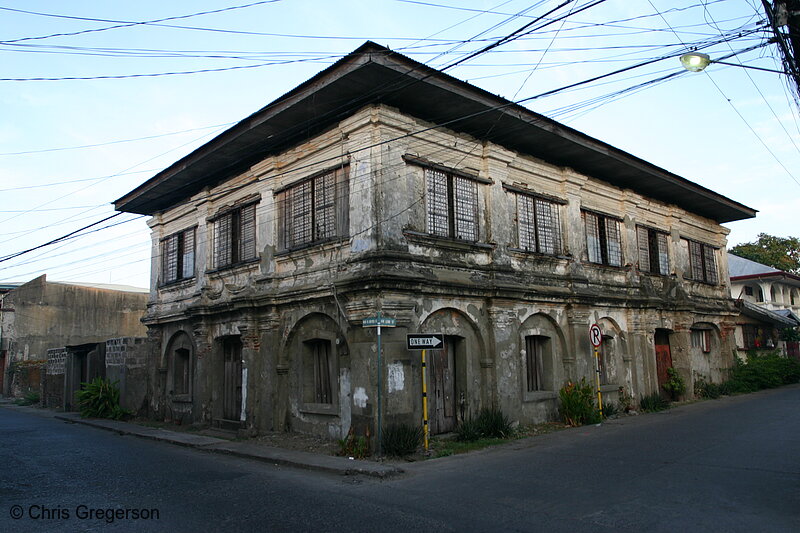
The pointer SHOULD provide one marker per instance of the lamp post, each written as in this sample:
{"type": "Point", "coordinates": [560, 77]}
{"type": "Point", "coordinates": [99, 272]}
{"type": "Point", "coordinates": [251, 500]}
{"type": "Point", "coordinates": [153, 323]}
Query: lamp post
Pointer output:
{"type": "Point", "coordinates": [697, 62]}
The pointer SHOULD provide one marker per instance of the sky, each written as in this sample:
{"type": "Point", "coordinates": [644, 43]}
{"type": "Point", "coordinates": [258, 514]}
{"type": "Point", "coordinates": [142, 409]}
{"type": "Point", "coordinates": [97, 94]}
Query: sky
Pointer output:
{"type": "Point", "coordinates": [97, 97]}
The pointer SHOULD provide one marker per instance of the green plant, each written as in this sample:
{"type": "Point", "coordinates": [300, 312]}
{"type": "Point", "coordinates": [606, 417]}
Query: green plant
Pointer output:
{"type": "Point", "coordinates": [706, 389]}
{"type": "Point", "coordinates": [468, 430]}
{"type": "Point", "coordinates": [674, 386]}
{"type": "Point", "coordinates": [490, 423]}
{"type": "Point", "coordinates": [494, 424]}
{"type": "Point", "coordinates": [610, 409]}
{"type": "Point", "coordinates": [653, 403]}
{"type": "Point", "coordinates": [99, 398]}
{"type": "Point", "coordinates": [763, 371]}
{"type": "Point", "coordinates": [577, 403]}
{"type": "Point", "coordinates": [400, 440]}
{"type": "Point", "coordinates": [30, 398]}
{"type": "Point", "coordinates": [356, 446]}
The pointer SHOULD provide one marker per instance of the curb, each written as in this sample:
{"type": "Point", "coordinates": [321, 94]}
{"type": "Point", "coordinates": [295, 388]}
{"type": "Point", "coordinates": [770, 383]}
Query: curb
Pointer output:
{"type": "Point", "coordinates": [277, 456]}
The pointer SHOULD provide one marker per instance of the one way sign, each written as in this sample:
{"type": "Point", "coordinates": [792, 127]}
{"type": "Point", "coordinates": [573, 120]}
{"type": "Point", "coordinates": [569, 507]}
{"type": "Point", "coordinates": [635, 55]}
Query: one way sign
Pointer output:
{"type": "Point", "coordinates": [424, 341]}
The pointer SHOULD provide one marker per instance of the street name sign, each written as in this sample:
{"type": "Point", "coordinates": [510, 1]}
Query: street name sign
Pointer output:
{"type": "Point", "coordinates": [379, 321]}
{"type": "Point", "coordinates": [424, 341]}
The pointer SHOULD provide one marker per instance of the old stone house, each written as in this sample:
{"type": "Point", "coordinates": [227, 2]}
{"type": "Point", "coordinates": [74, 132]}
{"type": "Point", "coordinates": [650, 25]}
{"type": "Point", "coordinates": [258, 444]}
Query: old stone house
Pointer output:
{"type": "Point", "coordinates": [382, 185]}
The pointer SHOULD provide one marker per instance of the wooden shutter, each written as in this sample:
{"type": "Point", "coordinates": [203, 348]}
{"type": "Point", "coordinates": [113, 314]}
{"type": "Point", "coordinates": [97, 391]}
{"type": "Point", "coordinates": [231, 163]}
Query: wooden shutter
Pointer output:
{"type": "Point", "coordinates": [613, 243]}
{"type": "Point", "coordinates": [663, 254]}
{"type": "Point", "coordinates": [548, 227]}
{"type": "Point", "coordinates": [590, 221]}
{"type": "Point", "coordinates": [438, 219]}
{"type": "Point", "coordinates": [643, 238]}
{"type": "Point", "coordinates": [465, 209]}
{"type": "Point", "coordinates": [525, 222]}
{"type": "Point", "coordinates": [247, 232]}
{"type": "Point", "coordinates": [710, 264]}
{"type": "Point", "coordinates": [222, 241]}
{"type": "Point", "coordinates": [187, 254]}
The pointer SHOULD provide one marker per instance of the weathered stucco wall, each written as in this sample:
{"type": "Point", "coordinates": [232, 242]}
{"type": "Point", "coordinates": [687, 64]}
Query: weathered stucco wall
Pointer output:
{"type": "Point", "coordinates": [487, 297]}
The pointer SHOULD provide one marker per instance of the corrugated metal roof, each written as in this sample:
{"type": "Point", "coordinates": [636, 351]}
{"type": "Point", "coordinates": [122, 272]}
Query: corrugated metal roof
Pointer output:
{"type": "Point", "coordinates": [374, 74]}
{"type": "Point", "coordinates": [739, 266]}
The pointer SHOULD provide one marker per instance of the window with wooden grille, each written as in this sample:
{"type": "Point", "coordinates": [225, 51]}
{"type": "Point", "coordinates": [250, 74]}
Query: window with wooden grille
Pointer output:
{"type": "Point", "coordinates": [653, 254]}
{"type": "Point", "coordinates": [538, 225]}
{"type": "Point", "coordinates": [603, 240]}
{"type": "Point", "coordinates": [235, 236]}
{"type": "Point", "coordinates": [452, 204]}
{"type": "Point", "coordinates": [317, 372]}
{"type": "Point", "coordinates": [314, 210]}
{"type": "Point", "coordinates": [177, 256]}
{"type": "Point", "coordinates": [702, 263]}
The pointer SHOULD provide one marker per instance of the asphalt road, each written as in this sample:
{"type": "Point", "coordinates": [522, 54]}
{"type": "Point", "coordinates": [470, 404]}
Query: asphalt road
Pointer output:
{"type": "Point", "coordinates": [724, 465]}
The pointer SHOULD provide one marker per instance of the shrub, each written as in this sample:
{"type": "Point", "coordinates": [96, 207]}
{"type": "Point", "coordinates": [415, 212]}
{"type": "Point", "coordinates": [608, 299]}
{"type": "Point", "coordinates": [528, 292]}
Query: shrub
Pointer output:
{"type": "Point", "coordinates": [494, 424]}
{"type": "Point", "coordinates": [653, 403]}
{"type": "Point", "coordinates": [674, 386]}
{"type": "Point", "coordinates": [706, 389]}
{"type": "Point", "coordinates": [30, 398]}
{"type": "Point", "coordinates": [763, 372]}
{"type": "Point", "coordinates": [577, 404]}
{"type": "Point", "coordinates": [401, 439]}
{"type": "Point", "coordinates": [610, 409]}
{"type": "Point", "coordinates": [100, 399]}
{"type": "Point", "coordinates": [490, 423]}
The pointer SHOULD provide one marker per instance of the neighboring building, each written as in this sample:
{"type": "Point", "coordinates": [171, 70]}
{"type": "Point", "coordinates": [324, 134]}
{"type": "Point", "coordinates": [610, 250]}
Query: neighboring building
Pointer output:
{"type": "Point", "coordinates": [384, 185]}
{"type": "Point", "coordinates": [769, 301]}
{"type": "Point", "coordinates": [77, 319]}
{"type": "Point", "coordinates": [5, 288]}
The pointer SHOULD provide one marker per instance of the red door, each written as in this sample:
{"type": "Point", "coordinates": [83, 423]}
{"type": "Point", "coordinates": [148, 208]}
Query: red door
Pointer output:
{"type": "Point", "coordinates": [663, 357]}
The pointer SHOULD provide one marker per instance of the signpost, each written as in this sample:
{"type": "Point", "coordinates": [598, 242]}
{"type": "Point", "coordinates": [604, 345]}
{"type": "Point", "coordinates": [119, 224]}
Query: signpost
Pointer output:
{"type": "Point", "coordinates": [424, 341]}
{"type": "Point", "coordinates": [596, 338]}
{"type": "Point", "coordinates": [379, 322]}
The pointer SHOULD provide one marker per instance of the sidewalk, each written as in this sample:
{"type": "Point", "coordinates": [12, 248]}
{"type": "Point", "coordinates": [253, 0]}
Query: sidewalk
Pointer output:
{"type": "Point", "coordinates": [244, 449]}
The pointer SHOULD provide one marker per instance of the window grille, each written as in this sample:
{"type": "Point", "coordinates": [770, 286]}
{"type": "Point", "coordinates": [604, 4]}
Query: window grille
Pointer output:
{"type": "Point", "coordinates": [703, 263]}
{"type": "Point", "coordinates": [603, 240]}
{"type": "Point", "coordinates": [538, 225]}
{"type": "Point", "coordinates": [452, 203]}
{"type": "Point", "coordinates": [653, 254]}
{"type": "Point", "coordinates": [438, 211]}
{"type": "Point", "coordinates": [177, 256]}
{"type": "Point", "coordinates": [315, 209]}
{"type": "Point", "coordinates": [235, 236]}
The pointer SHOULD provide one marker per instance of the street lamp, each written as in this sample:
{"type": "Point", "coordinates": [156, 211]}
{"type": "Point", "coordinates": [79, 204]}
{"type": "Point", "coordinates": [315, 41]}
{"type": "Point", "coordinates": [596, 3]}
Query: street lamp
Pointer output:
{"type": "Point", "coordinates": [697, 61]}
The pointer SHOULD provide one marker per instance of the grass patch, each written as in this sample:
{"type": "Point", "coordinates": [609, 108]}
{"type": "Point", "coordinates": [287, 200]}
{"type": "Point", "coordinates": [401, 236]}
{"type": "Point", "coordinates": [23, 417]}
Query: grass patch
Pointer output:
{"type": "Point", "coordinates": [444, 448]}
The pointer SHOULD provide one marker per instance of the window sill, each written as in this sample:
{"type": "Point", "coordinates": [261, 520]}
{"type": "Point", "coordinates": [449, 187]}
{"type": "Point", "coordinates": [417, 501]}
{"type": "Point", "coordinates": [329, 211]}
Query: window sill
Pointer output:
{"type": "Point", "coordinates": [241, 264]}
{"type": "Point", "coordinates": [613, 268]}
{"type": "Point", "coordinates": [539, 255]}
{"type": "Point", "coordinates": [320, 409]}
{"type": "Point", "coordinates": [177, 284]}
{"type": "Point", "coordinates": [539, 396]}
{"type": "Point", "coordinates": [447, 242]}
{"type": "Point", "coordinates": [312, 247]}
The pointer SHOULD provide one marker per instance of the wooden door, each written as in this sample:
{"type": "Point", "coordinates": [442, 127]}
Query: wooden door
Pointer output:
{"type": "Point", "coordinates": [663, 357]}
{"type": "Point", "coordinates": [441, 374]}
{"type": "Point", "coordinates": [232, 380]}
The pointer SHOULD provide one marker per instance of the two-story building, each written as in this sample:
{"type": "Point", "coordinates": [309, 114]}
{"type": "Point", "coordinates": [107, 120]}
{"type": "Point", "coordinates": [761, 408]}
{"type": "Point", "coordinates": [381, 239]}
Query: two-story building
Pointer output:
{"type": "Point", "coordinates": [383, 185]}
{"type": "Point", "coordinates": [769, 301]}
